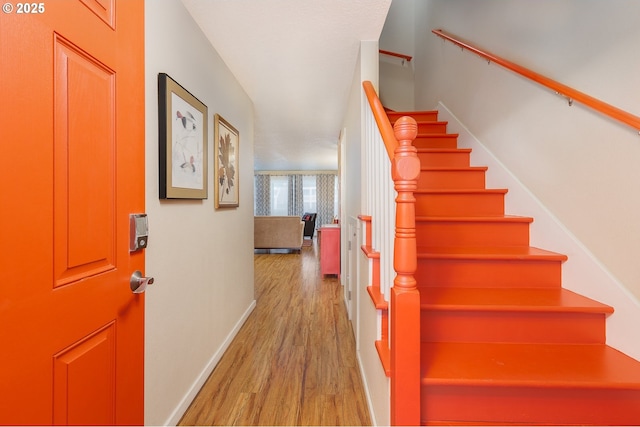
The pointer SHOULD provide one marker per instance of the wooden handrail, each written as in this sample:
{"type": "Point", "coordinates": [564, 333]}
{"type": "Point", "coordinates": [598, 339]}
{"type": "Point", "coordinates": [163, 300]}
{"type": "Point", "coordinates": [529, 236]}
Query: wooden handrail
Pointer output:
{"type": "Point", "coordinates": [397, 55]}
{"type": "Point", "coordinates": [384, 125]}
{"type": "Point", "coordinates": [561, 89]}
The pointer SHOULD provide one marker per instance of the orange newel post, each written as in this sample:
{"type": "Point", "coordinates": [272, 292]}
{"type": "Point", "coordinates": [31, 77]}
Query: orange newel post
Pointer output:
{"type": "Point", "coordinates": [405, 297]}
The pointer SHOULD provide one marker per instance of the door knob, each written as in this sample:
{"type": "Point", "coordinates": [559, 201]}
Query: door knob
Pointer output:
{"type": "Point", "coordinates": [139, 283]}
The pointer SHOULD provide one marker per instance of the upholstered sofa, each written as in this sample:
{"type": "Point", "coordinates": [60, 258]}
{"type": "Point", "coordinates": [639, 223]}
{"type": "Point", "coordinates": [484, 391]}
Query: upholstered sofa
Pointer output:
{"type": "Point", "coordinates": [277, 232]}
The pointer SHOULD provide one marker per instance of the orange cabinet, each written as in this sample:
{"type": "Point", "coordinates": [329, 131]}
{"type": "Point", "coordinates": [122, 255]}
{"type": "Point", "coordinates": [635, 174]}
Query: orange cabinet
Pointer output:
{"type": "Point", "coordinates": [330, 249]}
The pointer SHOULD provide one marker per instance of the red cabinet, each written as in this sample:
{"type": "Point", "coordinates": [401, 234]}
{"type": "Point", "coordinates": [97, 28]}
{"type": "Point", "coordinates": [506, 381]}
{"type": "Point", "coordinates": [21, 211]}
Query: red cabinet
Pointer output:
{"type": "Point", "coordinates": [330, 249]}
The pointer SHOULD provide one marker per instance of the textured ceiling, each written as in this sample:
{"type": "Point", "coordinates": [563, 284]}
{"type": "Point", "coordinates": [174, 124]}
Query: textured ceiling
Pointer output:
{"type": "Point", "coordinates": [295, 59]}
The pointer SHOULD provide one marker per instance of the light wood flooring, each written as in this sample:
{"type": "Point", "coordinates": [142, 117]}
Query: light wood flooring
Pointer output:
{"type": "Point", "coordinates": [294, 360]}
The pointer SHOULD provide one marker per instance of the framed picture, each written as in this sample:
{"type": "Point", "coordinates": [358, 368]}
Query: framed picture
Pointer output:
{"type": "Point", "coordinates": [183, 135]}
{"type": "Point", "coordinates": [226, 175]}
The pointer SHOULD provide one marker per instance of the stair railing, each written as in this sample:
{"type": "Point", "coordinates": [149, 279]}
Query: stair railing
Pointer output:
{"type": "Point", "coordinates": [392, 168]}
{"type": "Point", "coordinates": [404, 58]}
{"type": "Point", "coordinates": [560, 89]}
{"type": "Point", "coordinates": [380, 147]}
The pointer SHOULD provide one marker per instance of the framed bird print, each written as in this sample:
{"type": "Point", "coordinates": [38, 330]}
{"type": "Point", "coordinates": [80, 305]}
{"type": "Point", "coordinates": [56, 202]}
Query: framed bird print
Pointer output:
{"type": "Point", "coordinates": [182, 126]}
{"type": "Point", "coordinates": [226, 175]}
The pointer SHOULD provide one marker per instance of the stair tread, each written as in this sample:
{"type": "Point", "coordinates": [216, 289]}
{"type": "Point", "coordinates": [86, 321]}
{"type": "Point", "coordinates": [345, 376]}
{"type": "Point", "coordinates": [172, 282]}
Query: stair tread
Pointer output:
{"type": "Point", "coordinates": [444, 150]}
{"type": "Point", "coordinates": [538, 365]}
{"type": "Point", "coordinates": [396, 116]}
{"type": "Point", "coordinates": [454, 168]}
{"type": "Point", "coordinates": [504, 218]}
{"type": "Point", "coordinates": [436, 134]}
{"type": "Point", "coordinates": [410, 112]}
{"type": "Point", "coordinates": [509, 299]}
{"type": "Point", "coordinates": [463, 191]}
{"type": "Point", "coordinates": [499, 252]}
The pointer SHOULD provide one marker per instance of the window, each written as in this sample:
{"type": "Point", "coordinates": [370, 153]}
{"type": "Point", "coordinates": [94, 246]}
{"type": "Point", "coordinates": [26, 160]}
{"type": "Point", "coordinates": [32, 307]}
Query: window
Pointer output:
{"type": "Point", "coordinates": [279, 195]}
{"type": "Point", "coordinates": [294, 194]}
{"type": "Point", "coordinates": [309, 193]}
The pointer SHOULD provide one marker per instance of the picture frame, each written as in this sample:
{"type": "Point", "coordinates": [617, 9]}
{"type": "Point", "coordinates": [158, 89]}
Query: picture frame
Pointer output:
{"type": "Point", "coordinates": [226, 148]}
{"type": "Point", "coordinates": [182, 142]}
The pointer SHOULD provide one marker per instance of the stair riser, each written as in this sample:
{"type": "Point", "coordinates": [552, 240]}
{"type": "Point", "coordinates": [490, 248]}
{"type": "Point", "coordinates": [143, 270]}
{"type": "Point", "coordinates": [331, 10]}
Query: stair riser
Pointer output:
{"type": "Point", "coordinates": [471, 233]}
{"type": "Point", "coordinates": [488, 273]}
{"type": "Point", "coordinates": [459, 204]}
{"type": "Point", "coordinates": [448, 180]}
{"type": "Point", "coordinates": [419, 116]}
{"type": "Point", "coordinates": [512, 327]}
{"type": "Point", "coordinates": [451, 159]}
{"type": "Point", "coordinates": [530, 405]}
{"type": "Point", "coordinates": [436, 141]}
{"type": "Point", "coordinates": [432, 127]}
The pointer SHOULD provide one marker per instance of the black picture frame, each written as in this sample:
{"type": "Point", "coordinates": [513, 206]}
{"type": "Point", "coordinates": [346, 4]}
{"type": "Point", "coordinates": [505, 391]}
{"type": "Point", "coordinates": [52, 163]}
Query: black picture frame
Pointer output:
{"type": "Point", "coordinates": [182, 142]}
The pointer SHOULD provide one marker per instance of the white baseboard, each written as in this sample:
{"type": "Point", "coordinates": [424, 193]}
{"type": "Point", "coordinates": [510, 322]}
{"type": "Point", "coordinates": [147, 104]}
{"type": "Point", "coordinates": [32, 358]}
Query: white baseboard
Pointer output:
{"type": "Point", "coordinates": [583, 272]}
{"type": "Point", "coordinates": [372, 413]}
{"type": "Point", "coordinates": [177, 413]}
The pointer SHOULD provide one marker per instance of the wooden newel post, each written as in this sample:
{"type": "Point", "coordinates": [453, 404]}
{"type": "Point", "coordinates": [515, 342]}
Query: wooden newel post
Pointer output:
{"type": "Point", "coordinates": [405, 298]}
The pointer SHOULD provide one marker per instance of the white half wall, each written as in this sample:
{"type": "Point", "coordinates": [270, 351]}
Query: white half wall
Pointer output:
{"type": "Point", "coordinates": [366, 318]}
{"type": "Point", "coordinates": [201, 258]}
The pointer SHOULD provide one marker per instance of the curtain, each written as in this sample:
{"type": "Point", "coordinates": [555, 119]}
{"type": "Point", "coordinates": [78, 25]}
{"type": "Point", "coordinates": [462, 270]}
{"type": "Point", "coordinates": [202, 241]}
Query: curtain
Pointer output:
{"type": "Point", "coordinates": [262, 195]}
{"type": "Point", "coordinates": [325, 198]}
{"type": "Point", "coordinates": [295, 203]}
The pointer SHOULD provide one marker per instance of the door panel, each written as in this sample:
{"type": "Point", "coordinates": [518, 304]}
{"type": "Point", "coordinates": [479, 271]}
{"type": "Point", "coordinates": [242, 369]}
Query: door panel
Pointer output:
{"type": "Point", "coordinates": [84, 387]}
{"type": "Point", "coordinates": [104, 9]}
{"type": "Point", "coordinates": [84, 173]}
{"type": "Point", "coordinates": [72, 138]}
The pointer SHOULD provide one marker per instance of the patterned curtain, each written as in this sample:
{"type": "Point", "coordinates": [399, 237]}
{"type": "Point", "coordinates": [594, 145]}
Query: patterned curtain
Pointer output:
{"type": "Point", "coordinates": [325, 196]}
{"type": "Point", "coordinates": [325, 184]}
{"type": "Point", "coordinates": [295, 203]}
{"type": "Point", "coordinates": [262, 195]}
{"type": "Point", "coordinates": [299, 197]}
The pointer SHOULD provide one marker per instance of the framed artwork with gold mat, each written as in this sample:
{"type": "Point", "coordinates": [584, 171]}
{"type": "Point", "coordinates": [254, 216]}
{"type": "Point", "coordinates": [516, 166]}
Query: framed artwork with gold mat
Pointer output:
{"type": "Point", "coordinates": [226, 174]}
{"type": "Point", "coordinates": [182, 146]}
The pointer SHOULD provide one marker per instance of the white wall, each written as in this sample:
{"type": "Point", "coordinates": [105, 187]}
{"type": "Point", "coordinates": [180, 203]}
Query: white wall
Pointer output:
{"type": "Point", "coordinates": [396, 77]}
{"type": "Point", "coordinates": [201, 258]}
{"type": "Point", "coordinates": [581, 166]}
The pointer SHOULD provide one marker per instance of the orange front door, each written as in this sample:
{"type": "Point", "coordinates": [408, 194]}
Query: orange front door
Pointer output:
{"type": "Point", "coordinates": [72, 169]}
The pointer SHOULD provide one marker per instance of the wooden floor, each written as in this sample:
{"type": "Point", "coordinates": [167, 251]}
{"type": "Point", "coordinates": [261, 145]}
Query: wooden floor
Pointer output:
{"type": "Point", "coordinates": [294, 360]}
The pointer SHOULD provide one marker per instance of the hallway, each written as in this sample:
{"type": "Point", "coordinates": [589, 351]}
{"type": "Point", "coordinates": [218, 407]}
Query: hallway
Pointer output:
{"type": "Point", "coordinates": [294, 360]}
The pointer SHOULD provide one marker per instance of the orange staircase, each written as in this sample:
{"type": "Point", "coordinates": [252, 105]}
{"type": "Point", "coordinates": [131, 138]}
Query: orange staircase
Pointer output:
{"type": "Point", "coordinates": [502, 341]}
